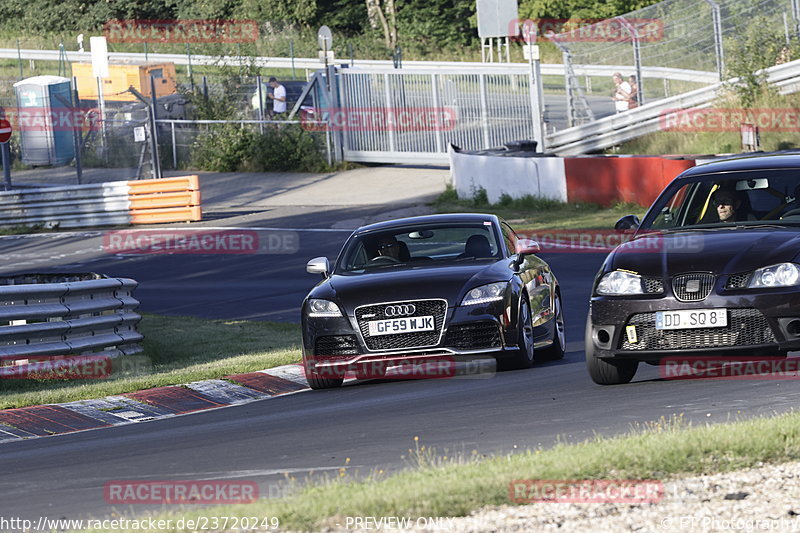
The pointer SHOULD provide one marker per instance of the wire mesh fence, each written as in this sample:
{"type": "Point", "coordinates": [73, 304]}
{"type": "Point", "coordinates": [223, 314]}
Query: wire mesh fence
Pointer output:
{"type": "Point", "coordinates": [696, 35]}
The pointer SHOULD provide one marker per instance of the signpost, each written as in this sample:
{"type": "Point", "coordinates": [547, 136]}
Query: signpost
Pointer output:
{"type": "Point", "coordinates": [5, 136]}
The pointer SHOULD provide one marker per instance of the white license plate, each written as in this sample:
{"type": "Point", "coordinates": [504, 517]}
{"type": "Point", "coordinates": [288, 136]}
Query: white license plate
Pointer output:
{"type": "Point", "coordinates": [692, 318]}
{"type": "Point", "coordinates": [392, 326]}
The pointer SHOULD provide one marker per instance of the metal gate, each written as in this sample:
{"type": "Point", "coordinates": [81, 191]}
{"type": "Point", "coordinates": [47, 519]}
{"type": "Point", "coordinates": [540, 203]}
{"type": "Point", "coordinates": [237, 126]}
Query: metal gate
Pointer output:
{"type": "Point", "coordinates": [425, 110]}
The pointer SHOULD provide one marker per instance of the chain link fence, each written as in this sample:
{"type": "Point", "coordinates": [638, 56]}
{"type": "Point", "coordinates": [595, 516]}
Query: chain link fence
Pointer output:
{"type": "Point", "coordinates": [696, 35]}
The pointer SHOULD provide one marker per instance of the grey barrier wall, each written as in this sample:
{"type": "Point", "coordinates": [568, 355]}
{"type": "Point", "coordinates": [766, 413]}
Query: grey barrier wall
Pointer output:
{"type": "Point", "coordinates": [67, 314]}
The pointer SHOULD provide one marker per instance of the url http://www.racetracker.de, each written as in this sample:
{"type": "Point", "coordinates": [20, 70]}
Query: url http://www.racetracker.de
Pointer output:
{"type": "Point", "coordinates": [195, 523]}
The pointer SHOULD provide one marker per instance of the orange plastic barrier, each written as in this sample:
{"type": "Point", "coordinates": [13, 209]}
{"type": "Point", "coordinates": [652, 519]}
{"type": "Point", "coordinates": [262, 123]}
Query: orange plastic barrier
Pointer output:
{"type": "Point", "coordinates": [169, 214]}
{"type": "Point", "coordinates": [165, 200]}
{"type": "Point", "coordinates": [609, 180]}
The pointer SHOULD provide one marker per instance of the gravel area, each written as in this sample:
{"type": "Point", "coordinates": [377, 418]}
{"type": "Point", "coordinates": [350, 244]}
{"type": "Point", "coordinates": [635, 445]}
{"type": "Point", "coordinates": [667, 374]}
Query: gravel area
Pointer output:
{"type": "Point", "coordinates": [766, 498]}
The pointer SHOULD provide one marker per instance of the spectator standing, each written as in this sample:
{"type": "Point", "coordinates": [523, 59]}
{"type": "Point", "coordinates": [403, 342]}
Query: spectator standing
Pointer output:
{"type": "Point", "coordinates": [634, 98]}
{"type": "Point", "coordinates": [622, 93]}
{"type": "Point", "coordinates": [278, 97]}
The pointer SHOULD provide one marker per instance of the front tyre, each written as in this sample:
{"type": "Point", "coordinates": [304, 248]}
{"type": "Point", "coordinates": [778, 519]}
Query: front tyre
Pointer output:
{"type": "Point", "coordinates": [607, 371]}
{"type": "Point", "coordinates": [524, 357]}
{"type": "Point", "coordinates": [556, 350]}
{"type": "Point", "coordinates": [319, 381]}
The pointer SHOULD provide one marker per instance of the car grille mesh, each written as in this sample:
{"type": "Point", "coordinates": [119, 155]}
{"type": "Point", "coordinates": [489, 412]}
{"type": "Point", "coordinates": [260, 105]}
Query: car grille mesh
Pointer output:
{"type": "Point", "coordinates": [692, 287]}
{"type": "Point", "coordinates": [746, 327]}
{"type": "Point", "coordinates": [399, 341]}
{"type": "Point", "coordinates": [473, 336]}
{"type": "Point", "coordinates": [653, 285]}
{"type": "Point", "coordinates": [336, 345]}
{"type": "Point", "coordinates": [737, 281]}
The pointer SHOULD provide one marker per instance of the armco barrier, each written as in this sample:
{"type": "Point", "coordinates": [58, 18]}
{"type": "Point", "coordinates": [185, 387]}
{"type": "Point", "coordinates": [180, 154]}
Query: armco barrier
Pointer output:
{"type": "Point", "coordinates": [599, 180]}
{"type": "Point", "coordinates": [67, 314]}
{"type": "Point", "coordinates": [103, 204]}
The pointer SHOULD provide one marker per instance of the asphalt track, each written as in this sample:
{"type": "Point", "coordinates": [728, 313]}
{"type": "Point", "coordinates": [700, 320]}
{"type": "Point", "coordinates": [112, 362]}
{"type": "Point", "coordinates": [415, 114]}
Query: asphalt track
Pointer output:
{"type": "Point", "coordinates": [371, 423]}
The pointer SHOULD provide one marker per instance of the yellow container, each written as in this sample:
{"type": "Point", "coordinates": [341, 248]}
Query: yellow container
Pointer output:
{"type": "Point", "coordinates": [120, 77]}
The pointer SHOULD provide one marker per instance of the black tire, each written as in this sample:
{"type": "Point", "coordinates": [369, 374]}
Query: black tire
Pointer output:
{"type": "Point", "coordinates": [524, 357]}
{"type": "Point", "coordinates": [316, 381]}
{"type": "Point", "coordinates": [607, 371]}
{"type": "Point", "coordinates": [556, 350]}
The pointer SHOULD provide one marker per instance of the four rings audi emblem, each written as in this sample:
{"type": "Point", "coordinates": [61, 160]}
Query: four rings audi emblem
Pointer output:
{"type": "Point", "coordinates": [399, 310]}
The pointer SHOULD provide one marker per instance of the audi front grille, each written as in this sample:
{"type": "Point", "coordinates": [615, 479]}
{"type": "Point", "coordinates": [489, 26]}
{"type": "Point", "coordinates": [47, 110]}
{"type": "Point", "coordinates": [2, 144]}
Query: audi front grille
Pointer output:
{"type": "Point", "coordinates": [399, 341]}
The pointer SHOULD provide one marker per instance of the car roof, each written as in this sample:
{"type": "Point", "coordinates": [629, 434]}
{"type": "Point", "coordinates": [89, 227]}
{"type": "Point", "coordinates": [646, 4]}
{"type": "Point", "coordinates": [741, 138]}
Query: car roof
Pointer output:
{"type": "Point", "coordinates": [430, 219]}
{"type": "Point", "coordinates": [757, 162]}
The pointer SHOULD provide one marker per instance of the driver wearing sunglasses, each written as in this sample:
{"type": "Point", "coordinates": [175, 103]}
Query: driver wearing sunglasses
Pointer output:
{"type": "Point", "coordinates": [726, 202]}
{"type": "Point", "coordinates": [389, 247]}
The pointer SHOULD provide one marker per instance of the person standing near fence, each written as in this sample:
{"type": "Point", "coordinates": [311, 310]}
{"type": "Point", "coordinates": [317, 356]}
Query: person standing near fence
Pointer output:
{"type": "Point", "coordinates": [633, 101]}
{"type": "Point", "coordinates": [622, 93]}
{"type": "Point", "coordinates": [278, 97]}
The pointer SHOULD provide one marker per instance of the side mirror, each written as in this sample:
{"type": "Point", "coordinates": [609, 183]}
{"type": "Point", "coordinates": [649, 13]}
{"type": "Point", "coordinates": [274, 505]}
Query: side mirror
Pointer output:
{"type": "Point", "coordinates": [318, 265]}
{"type": "Point", "coordinates": [628, 222]}
{"type": "Point", "coordinates": [527, 246]}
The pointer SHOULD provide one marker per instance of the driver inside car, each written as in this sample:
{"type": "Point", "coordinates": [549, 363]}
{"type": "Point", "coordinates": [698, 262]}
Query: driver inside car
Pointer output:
{"type": "Point", "coordinates": [389, 247]}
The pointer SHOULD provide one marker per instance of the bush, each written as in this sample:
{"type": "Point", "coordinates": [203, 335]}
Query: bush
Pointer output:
{"type": "Point", "coordinates": [231, 148]}
{"type": "Point", "coordinates": [288, 148]}
{"type": "Point", "coordinates": [223, 149]}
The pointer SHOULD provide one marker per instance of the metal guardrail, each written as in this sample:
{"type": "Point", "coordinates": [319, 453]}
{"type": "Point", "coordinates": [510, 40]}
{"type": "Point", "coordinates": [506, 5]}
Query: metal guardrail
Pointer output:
{"type": "Point", "coordinates": [67, 314]}
{"type": "Point", "coordinates": [70, 206]}
{"type": "Point", "coordinates": [700, 76]}
{"type": "Point", "coordinates": [111, 203]}
{"type": "Point", "coordinates": [616, 129]}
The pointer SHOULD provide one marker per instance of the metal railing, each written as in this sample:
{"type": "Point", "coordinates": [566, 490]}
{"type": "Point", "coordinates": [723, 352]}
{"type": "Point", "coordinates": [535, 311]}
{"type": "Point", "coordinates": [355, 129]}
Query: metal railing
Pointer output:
{"type": "Point", "coordinates": [313, 64]}
{"type": "Point", "coordinates": [67, 314]}
{"type": "Point", "coordinates": [70, 206]}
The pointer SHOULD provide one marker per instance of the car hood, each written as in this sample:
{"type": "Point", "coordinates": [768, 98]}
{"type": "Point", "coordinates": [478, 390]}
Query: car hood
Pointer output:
{"type": "Point", "coordinates": [721, 251]}
{"type": "Point", "coordinates": [409, 283]}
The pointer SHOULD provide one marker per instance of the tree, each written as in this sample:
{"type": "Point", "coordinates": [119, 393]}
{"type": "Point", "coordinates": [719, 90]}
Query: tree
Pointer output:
{"type": "Point", "coordinates": [384, 13]}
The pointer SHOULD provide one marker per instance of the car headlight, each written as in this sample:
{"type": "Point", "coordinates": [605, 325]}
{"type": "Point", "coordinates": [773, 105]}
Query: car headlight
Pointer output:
{"type": "Point", "coordinates": [493, 292]}
{"type": "Point", "coordinates": [782, 275]}
{"type": "Point", "coordinates": [327, 308]}
{"type": "Point", "coordinates": [620, 282]}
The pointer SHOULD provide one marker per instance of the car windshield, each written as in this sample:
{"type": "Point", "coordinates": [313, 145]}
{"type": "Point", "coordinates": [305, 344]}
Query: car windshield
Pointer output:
{"type": "Point", "coordinates": [732, 199]}
{"type": "Point", "coordinates": [419, 245]}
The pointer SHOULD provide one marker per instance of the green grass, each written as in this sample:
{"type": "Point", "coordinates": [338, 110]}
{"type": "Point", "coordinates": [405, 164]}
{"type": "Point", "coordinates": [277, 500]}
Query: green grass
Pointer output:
{"type": "Point", "coordinates": [441, 485]}
{"type": "Point", "coordinates": [531, 213]}
{"type": "Point", "coordinates": [671, 142]}
{"type": "Point", "coordinates": [176, 350]}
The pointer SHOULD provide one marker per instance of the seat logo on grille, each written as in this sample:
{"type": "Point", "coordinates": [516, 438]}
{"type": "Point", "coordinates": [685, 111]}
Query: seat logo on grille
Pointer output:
{"type": "Point", "coordinates": [399, 310]}
{"type": "Point", "coordinates": [693, 285]}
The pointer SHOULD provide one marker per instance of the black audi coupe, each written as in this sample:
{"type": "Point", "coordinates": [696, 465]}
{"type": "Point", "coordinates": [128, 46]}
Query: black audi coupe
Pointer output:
{"type": "Point", "coordinates": [422, 289]}
{"type": "Point", "coordinates": [712, 270]}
